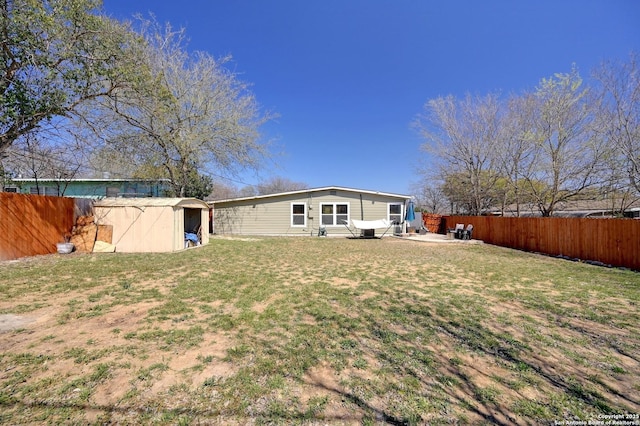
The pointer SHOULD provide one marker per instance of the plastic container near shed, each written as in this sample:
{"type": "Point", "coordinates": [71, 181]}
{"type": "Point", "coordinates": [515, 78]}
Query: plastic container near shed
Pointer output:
{"type": "Point", "coordinates": [64, 248]}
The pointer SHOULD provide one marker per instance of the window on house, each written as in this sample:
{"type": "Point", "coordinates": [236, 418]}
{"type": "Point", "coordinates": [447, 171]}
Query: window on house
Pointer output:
{"type": "Point", "coordinates": [298, 214]}
{"type": "Point", "coordinates": [10, 189]}
{"type": "Point", "coordinates": [395, 212]}
{"type": "Point", "coordinates": [334, 214]}
{"type": "Point", "coordinates": [49, 190]}
{"type": "Point", "coordinates": [44, 190]}
{"type": "Point", "coordinates": [113, 191]}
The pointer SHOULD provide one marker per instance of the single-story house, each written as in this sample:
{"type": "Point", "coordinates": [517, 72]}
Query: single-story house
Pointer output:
{"type": "Point", "coordinates": [316, 211]}
{"type": "Point", "coordinates": [154, 224]}
{"type": "Point", "coordinates": [90, 188]}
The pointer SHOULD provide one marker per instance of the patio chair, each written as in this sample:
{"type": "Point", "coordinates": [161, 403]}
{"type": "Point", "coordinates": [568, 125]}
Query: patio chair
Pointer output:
{"type": "Point", "coordinates": [457, 231]}
{"type": "Point", "coordinates": [466, 234]}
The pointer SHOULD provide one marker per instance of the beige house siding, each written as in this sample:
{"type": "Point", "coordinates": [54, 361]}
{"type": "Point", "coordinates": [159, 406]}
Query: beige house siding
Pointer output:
{"type": "Point", "coordinates": [152, 225]}
{"type": "Point", "coordinates": [272, 215]}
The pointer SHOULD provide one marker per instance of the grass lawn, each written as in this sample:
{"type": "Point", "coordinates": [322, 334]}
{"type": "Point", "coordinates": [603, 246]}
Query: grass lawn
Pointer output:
{"type": "Point", "coordinates": [317, 331]}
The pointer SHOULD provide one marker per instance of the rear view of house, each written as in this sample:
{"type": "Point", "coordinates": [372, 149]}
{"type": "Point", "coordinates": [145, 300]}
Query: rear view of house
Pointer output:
{"type": "Point", "coordinates": [306, 212]}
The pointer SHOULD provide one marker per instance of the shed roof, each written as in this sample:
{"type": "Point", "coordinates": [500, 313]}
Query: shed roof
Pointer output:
{"type": "Point", "coordinates": [152, 202]}
{"type": "Point", "coordinates": [311, 190]}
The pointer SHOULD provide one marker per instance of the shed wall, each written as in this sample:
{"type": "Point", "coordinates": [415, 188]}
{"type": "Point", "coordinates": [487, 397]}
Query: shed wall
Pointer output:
{"type": "Point", "coordinates": [177, 234]}
{"type": "Point", "coordinates": [204, 221]}
{"type": "Point", "coordinates": [148, 229]}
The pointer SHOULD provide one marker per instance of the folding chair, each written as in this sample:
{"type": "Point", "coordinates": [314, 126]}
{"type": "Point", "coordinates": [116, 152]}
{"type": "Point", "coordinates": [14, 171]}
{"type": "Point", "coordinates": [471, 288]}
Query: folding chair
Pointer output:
{"type": "Point", "coordinates": [466, 234]}
{"type": "Point", "coordinates": [457, 231]}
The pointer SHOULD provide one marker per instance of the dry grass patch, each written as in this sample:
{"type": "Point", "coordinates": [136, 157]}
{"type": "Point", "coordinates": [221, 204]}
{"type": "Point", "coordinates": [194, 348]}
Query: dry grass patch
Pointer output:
{"type": "Point", "coordinates": [317, 330]}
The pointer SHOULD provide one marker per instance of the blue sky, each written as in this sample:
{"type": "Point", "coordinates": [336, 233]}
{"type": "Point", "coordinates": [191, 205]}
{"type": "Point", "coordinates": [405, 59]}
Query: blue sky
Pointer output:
{"type": "Point", "coordinates": [347, 77]}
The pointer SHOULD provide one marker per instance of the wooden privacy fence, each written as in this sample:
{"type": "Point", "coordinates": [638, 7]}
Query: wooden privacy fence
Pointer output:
{"type": "Point", "coordinates": [611, 241]}
{"type": "Point", "coordinates": [33, 224]}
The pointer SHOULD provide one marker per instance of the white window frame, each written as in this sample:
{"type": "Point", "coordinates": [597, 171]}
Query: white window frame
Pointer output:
{"type": "Point", "coordinates": [51, 191]}
{"type": "Point", "coordinates": [389, 214]}
{"type": "Point", "coordinates": [334, 205]}
{"type": "Point", "coordinates": [304, 215]}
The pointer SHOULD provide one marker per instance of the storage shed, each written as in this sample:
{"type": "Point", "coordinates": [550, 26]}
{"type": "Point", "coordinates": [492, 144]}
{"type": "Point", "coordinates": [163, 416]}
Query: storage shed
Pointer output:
{"type": "Point", "coordinates": [153, 224]}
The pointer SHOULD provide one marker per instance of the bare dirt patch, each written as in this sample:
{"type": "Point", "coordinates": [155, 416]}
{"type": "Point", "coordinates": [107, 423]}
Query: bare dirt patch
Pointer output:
{"type": "Point", "coordinates": [317, 330]}
{"type": "Point", "coordinates": [9, 322]}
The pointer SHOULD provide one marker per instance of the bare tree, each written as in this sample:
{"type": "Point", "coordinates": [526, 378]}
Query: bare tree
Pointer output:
{"type": "Point", "coordinates": [223, 191]}
{"type": "Point", "coordinates": [463, 136]}
{"type": "Point", "coordinates": [568, 158]}
{"type": "Point", "coordinates": [619, 115]}
{"type": "Point", "coordinates": [37, 158]}
{"type": "Point", "coordinates": [430, 197]}
{"type": "Point", "coordinates": [189, 113]}
{"type": "Point", "coordinates": [562, 141]}
{"type": "Point", "coordinates": [516, 151]}
{"type": "Point", "coordinates": [248, 191]}
{"type": "Point", "coordinates": [279, 184]}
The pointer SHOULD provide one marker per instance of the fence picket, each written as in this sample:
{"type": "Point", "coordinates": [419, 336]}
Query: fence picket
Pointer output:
{"type": "Point", "coordinates": [610, 241]}
{"type": "Point", "coordinates": [33, 224]}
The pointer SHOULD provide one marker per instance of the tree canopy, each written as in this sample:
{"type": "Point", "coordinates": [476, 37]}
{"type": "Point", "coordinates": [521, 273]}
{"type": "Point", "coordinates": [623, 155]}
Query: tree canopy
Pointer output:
{"type": "Point", "coordinates": [190, 113]}
{"type": "Point", "coordinates": [56, 55]}
{"type": "Point", "coordinates": [135, 98]}
{"type": "Point", "coordinates": [561, 141]}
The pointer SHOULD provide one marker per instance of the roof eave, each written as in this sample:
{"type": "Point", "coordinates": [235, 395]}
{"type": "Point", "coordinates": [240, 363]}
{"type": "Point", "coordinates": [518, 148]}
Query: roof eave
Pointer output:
{"type": "Point", "coordinates": [303, 191]}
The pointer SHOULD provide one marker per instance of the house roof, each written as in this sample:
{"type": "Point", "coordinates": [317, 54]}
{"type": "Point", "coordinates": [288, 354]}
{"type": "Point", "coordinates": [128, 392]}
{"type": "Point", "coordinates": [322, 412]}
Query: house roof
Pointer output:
{"type": "Point", "coordinates": [579, 208]}
{"type": "Point", "coordinates": [152, 202]}
{"type": "Point", "coordinates": [311, 190]}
